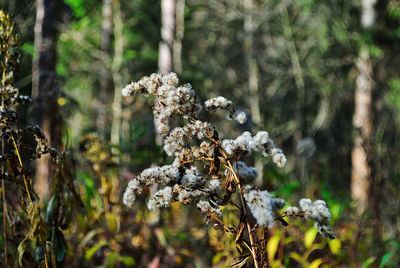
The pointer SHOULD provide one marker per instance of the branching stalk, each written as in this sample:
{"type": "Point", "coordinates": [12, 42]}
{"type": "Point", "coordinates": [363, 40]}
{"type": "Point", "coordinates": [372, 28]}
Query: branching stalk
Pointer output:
{"type": "Point", "coordinates": [22, 166]}
{"type": "Point", "coordinates": [251, 236]}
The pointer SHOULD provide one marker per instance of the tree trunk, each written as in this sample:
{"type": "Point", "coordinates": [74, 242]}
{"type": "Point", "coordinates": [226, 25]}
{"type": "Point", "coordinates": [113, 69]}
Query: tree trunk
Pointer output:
{"type": "Point", "coordinates": [116, 73]}
{"type": "Point", "coordinates": [362, 119]}
{"type": "Point", "coordinates": [45, 89]}
{"type": "Point", "coordinates": [105, 93]}
{"type": "Point", "coordinates": [252, 75]}
{"type": "Point", "coordinates": [180, 31]}
{"type": "Point", "coordinates": [165, 54]}
{"type": "Point", "coordinates": [252, 67]}
{"type": "Point", "coordinates": [167, 36]}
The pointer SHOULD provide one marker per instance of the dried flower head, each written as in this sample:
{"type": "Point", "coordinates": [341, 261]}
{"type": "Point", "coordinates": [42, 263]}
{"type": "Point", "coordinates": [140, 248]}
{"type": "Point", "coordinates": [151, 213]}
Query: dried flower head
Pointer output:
{"type": "Point", "coordinates": [207, 171]}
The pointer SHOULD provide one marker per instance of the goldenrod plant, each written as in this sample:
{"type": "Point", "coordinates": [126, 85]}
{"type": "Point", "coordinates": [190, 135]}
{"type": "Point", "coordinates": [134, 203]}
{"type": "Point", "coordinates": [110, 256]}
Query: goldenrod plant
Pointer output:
{"type": "Point", "coordinates": [30, 237]}
{"type": "Point", "coordinates": [210, 172]}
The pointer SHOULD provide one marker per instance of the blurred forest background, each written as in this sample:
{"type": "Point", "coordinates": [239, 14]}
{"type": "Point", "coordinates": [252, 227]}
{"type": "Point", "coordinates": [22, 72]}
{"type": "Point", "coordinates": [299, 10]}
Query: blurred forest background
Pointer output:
{"type": "Point", "coordinates": [322, 77]}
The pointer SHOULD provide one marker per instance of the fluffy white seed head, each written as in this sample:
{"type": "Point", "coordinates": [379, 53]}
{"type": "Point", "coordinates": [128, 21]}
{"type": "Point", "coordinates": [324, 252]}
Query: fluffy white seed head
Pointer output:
{"type": "Point", "coordinates": [192, 177]}
{"type": "Point", "coordinates": [291, 211]}
{"type": "Point", "coordinates": [218, 102]}
{"type": "Point", "coordinates": [206, 208]}
{"type": "Point", "coordinates": [128, 90]}
{"type": "Point", "coordinates": [279, 159]}
{"type": "Point", "coordinates": [240, 117]}
{"type": "Point", "coordinates": [259, 203]}
{"type": "Point", "coordinates": [213, 185]}
{"type": "Point", "coordinates": [170, 79]}
{"type": "Point", "coordinates": [319, 213]}
{"type": "Point", "coordinates": [161, 198]}
{"type": "Point", "coordinates": [134, 188]}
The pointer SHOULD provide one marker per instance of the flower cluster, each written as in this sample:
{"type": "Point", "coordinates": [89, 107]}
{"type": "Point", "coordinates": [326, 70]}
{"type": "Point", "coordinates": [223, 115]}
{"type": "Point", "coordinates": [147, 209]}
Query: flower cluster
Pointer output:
{"type": "Point", "coordinates": [314, 211]}
{"type": "Point", "coordinates": [194, 140]}
{"type": "Point", "coordinates": [170, 99]}
{"type": "Point", "coordinates": [10, 96]}
{"type": "Point", "coordinates": [225, 104]}
{"type": "Point", "coordinates": [186, 186]}
{"type": "Point", "coordinates": [263, 206]}
{"type": "Point", "coordinates": [261, 142]}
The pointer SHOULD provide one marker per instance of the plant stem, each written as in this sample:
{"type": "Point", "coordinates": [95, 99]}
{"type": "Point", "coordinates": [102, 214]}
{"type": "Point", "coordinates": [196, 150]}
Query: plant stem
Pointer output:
{"type": "Point", "coordinates": [251, 236]}
{"type": "Point", "coordinates": [3, 193]}
{"type": "Point", "coordinates": [3, 189]}
{"type": "Point", "coordinates": [20, 162]}
{"type": "Point", "coordinates": [46, 262]}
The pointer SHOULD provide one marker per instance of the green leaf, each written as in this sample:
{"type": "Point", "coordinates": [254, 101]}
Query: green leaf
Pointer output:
{"type": "Point", "coordinates": [60, 247]}
{"type": "Point", "coordinates": [181, 236]}
{"type": "Point", "coordinates": [295, 256]}
{"type": "Point", "coordinates": [217, 257]}
{"type": "Point", "coordinates": [126, 260]}
{"type": "Point", "coordinates": [335, 210]}
{"type": "Point", "coordinates": [28, 48]}
{"type": "Point", "coordinates": [51, 209]}
{"type": "Point", "coordinates": [316, 263]}
{"type": "Point", "coordinates": [272, 246]}
{"type": "Point", "coordinates": [39, 254]}
{"type": "Point", "coordinates": [309, 237]}
{"type": "Point", "coordinates": [77, 7]}
{"type": "Point", "coordinates": [385, 259]}
{"type": "Point", "coordinates": [276, 264]}
{"type": "Point", "coordinates": [90, 252]}
{"type": "Point", "coordinates": [21, 249]}
{"type": "Point", "coordinates": [335, 246]}
{"type": "Point", "coordinates": [368, 262]}
{"type": "Point", "coordinates": [112, 222]}
{"type": "Point", "coordinates": [130, 54]}
{"type": "Point", "coordinates": [111, 260]}
{"type": "Point", "coordinates": [288, 240]}
{"type": "Point", "coordinates": [375, 51]}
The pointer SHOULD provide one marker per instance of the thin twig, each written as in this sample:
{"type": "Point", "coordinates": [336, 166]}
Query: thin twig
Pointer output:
{"type": "Point", "coordinates": [20, 162]}
{"type": "Point", "coordinates": [253, 248]}
{"type": "Point", "coordinates": [3, 189]}
{"type": "Point", "coordinates": [251, 236]}
{"type": "Point", "coordinates": [3, 193]}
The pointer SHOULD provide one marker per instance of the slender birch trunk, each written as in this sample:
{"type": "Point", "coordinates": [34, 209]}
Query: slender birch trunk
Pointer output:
{"type": "Point", "coordinates": [167, 36]}
{"type": "Point", "coordinates": [179, 33]}
{"type": "Point", "coordinates": [362, 118]}
{"type": "Point", "coordinates": [165, 54]}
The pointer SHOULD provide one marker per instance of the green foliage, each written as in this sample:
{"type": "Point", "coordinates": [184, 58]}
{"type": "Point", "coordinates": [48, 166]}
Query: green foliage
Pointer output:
{"type": "Point", "coordinates": [327, 37]}
{"type": "Point", "coordinates": [77, 7]}
{"type": "Point", "coordinates": [28, 48]}
{"type": "Point", "coordinates": [394, 92]}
